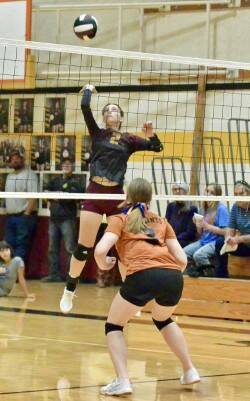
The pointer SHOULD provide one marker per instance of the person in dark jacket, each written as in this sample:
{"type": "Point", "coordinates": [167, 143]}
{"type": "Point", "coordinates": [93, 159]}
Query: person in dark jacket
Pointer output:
{"type": "Point", "coordinates": [62, 224]}
{"type": "Point", "coordinates": [180, 216]}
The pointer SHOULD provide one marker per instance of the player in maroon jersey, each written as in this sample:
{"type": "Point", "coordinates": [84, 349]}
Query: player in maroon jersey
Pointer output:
{"type": "Point", "coordinates": [111, 150]}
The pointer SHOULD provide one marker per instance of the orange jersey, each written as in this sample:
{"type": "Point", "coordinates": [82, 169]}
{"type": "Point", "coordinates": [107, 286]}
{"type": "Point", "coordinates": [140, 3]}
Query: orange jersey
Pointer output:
{"type": "Point", "coordinates": [141, 251]}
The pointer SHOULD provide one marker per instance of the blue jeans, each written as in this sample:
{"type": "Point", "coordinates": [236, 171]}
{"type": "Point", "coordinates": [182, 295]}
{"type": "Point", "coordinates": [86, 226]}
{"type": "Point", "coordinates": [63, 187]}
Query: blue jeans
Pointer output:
{"type": "Point", "coordinates": [19, 231]}
{"type": "Point", "coordinates": [201, 254]}
{"type": "Point", "coordinates": [60, 230]}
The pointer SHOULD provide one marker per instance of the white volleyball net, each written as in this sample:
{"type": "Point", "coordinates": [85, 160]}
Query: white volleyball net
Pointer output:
{"type": "Point", "coordinates": [199, 109]}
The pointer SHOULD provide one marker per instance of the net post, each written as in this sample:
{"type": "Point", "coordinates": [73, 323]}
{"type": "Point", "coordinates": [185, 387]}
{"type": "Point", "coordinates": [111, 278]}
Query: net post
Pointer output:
{"type": "Point", "coordinates": [198, 134]}
{"type": "Point", "coordinates": [30, 76]}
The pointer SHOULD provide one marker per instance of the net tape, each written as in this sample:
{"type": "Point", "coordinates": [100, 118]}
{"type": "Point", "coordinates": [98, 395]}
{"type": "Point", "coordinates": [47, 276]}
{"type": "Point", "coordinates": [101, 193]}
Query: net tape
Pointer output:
{"type": "Point", "coordinates": [125, 54]}
{"type": "Point", "coordinates": [80, 196]}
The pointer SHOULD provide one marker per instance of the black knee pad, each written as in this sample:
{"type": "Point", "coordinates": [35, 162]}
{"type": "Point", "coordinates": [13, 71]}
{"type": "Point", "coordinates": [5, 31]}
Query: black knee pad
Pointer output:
{"type": "Point", "coordinates": [112, 327]}
{"type": "Point", "coordinates": [81, 252]}
{"type": "Point", "coordinates": [161, 324]}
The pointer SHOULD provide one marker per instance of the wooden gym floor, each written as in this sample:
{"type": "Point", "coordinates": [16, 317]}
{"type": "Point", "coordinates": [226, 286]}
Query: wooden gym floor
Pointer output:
{"type": "Point", "coordinates": [49, 357]}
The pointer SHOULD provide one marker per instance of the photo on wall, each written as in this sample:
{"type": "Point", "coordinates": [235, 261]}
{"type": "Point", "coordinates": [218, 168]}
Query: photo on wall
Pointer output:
{"type": "Point", "coordinates": [85, 153]}
{"type": "Point", "coordinates": [65, 149]}
{"type": "Point", "coordinates": [23, 115]}
{"type": "Point", "coordinates": [41, 150]}
{"type": "Point", "coordinates": [54, 114]}
{"type": "Point", "coordinates": [4, 115]}
{"type": "Point", "coordinates": [6, 148]}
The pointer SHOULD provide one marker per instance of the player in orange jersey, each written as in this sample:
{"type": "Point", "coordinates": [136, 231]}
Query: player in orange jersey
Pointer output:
{"type": "Point", "coordinates": [154, 260]}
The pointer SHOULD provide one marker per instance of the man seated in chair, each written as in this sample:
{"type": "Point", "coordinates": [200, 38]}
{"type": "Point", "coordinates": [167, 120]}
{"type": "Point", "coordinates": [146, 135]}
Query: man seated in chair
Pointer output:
{"type": "Point", "coordinates": [237, 237]}
{"type": "Point", "coordinates": [180, 215]}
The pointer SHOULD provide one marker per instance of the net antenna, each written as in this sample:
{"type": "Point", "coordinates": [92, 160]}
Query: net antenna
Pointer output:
{"type": "Point", "coordinates": [199, 109]}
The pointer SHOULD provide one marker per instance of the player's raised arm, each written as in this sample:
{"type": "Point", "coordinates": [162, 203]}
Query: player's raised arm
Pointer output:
{"type": "Point", "coordinates": [153, 143]}
{"type": "Point", "coordinates": [87, 91]}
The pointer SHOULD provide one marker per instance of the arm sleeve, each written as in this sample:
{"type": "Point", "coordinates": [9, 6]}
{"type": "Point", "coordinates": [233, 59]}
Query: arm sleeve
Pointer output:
{"type": "Point", "coordinates": [223, 217]}
{"type": "Point", "coordinates": [115, 225]}
{"type": "Point", "coordinates": [87, 113]}
{"type": "Point", "coordinates": [168, 211]}
{"type": "Point", "coordinates": [190, 232]}
{"type": "Point", "coordinates": [75, 187]}
{"type": "Point", "coordinates": [20, 262]}
{"type": "Point", "coordinates": [49, 186]}
{"type": "Point", "coordinates": [153, 144]}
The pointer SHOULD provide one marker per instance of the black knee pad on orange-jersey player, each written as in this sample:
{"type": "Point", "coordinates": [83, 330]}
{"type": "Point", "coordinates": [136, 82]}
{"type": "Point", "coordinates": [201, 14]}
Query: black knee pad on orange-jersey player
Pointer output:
{"type": "Point", "coordinates": [112, 327]}
{"type": "Point", "coordinates": [161, 324]}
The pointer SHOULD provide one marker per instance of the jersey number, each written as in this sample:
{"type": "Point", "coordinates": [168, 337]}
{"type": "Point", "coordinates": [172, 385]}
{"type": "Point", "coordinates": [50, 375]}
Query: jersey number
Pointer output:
{"type": "Point", "coordinates": [115, 139]}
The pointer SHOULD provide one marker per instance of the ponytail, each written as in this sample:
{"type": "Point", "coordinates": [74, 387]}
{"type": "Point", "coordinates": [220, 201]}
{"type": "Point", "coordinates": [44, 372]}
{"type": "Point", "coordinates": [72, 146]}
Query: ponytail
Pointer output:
{"type": "Point", "coordinates": [139, 195]}
{"type": "Point", "coordinates": [136, 222]}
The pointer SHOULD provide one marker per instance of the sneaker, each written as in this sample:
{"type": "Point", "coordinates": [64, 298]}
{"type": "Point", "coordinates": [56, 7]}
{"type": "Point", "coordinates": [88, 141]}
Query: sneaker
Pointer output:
{"type": "Point", "coordinates": [66, 302]}
{"type": "Point", "coordinates": [117, 387]}
{"type": "Point", "coordinates": [191, 376]}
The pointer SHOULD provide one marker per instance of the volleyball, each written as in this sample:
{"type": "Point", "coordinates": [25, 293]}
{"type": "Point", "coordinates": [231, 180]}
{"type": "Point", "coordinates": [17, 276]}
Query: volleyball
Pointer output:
{"type": "Point", "coordinates": [85, 27]}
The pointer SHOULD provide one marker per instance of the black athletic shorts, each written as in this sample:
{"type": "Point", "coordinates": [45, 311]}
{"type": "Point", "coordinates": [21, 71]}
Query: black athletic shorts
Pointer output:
{"type": "Point", "coordinates": [162, 284]}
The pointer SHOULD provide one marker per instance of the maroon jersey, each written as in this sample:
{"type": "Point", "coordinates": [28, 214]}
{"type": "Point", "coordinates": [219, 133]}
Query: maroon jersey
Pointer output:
{"type": "Point", "coordinates": [112, 149]}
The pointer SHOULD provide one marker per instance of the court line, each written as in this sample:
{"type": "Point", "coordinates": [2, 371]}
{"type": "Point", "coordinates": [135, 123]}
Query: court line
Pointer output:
{"type": "Point", "coordinates": [90, 317]}
{"type": "Point", "coordinates": [105, 346]}
{"type": "Point", "coordinates": [133, 382]}
{"type": "Point", "coordinates": [133, 320]}
{"type": "Point", "coordinates": [51, 313]}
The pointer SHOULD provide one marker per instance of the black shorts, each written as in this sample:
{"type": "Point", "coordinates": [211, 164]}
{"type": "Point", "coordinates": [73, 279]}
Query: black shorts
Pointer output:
{"type": "Point", "coordinates": [162, 284]}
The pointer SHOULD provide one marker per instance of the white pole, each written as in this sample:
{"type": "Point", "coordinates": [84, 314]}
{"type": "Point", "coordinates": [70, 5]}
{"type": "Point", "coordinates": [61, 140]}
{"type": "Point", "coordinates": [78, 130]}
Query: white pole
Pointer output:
{"type": "Point", "coordinates": [141, 44]}
{"type": "Point", "coordinates": [58, 15]}
{"type": "Point", "coordinates": [119, 41]}
{"type": "Point", "coordinates": [207, 34]}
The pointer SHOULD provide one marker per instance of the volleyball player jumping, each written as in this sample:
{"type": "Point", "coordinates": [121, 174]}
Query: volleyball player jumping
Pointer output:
{"type": "Point", "coordinates": [111, 150]}
{"type": "Point", "coordinates": [154, 261]}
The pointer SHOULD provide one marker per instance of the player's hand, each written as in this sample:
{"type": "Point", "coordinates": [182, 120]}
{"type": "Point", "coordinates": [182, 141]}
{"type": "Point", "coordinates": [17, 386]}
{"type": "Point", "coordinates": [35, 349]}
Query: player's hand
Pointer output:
{"type": "Point", "coordinates": [110, 262]}
{"type": "Point", "coordinates": [89, 87]}
{"type": "Point", "coordinates": [148, 129]}
{"type": "Point", "coordinates": [2, 270]}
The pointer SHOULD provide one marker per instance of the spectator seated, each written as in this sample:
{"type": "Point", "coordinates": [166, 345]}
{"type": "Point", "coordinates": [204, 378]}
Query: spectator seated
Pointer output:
{"type": "Point", "coordinates": [180, 215]}
{"type": "Point", "coordinates": [211, 226]}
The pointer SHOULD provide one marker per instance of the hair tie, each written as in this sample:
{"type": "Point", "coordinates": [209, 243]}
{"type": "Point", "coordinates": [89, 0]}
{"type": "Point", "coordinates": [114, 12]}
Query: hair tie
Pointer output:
{"type": "Point", "coordinates": [130, 208]}
{"type": "Point", "coordinates": [140, 206]}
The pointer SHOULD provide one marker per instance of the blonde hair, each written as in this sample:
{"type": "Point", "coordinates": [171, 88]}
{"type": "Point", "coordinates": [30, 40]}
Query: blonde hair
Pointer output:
{"type": "Point", "coordinates": [139, 192]}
